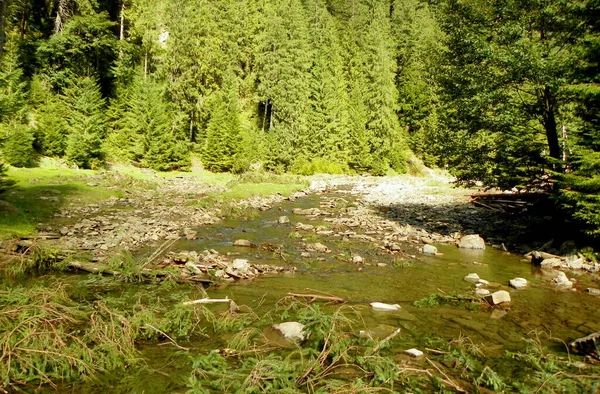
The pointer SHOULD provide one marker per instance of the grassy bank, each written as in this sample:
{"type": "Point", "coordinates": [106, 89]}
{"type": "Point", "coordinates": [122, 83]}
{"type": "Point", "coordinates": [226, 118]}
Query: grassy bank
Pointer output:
{"type": "Point", "coordinates": [39, 193]}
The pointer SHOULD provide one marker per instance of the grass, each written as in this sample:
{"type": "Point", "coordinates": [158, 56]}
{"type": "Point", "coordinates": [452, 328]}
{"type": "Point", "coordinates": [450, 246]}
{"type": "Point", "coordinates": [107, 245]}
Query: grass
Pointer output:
{"type": "Point", "coordinates": [39, 193]}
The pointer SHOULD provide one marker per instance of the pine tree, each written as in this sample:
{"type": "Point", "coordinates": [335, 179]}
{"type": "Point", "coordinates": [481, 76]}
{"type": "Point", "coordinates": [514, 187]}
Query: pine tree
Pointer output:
{"type": "Point", "coordinates": [86, 123]}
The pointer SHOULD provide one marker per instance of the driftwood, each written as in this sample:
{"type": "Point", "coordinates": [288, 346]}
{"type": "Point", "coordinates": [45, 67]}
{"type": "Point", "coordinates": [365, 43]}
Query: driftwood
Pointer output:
{"type": "Point", "coordinates": [316, 297]}
{"type": "Point", "coordinates": [386, 340]}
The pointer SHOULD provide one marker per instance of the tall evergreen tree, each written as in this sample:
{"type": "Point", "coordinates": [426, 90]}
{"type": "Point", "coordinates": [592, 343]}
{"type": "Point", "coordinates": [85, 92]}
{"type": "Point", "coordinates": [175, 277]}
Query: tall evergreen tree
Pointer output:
{"type": "Point", "coordinates": [223, 135]}
{"type": "Point", "coordinates": [329, 119]}
{"type": "Point", "coordinates": [283, 62]}
{"type": "Point", "coordinates": [86, 123]}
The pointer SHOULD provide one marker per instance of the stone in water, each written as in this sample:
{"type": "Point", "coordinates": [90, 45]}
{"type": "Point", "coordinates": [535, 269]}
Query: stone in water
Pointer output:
{"type": "Point", "coordinates": [380, 306]}
{"type": "Point", "coordinates": [473, 278]}
{"type": "Point", "coordinates": [429, 249]}
{"type": "Point", "coordinates": [414, 352]}
{"type": "Point", "coordinates": [518, 283]}
{"type": "Point", "coordinates": [498, 297]}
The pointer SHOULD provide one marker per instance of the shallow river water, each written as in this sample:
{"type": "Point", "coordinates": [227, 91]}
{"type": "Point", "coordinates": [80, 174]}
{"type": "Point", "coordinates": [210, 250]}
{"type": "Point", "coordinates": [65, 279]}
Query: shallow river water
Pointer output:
{"type": "Point", "coordinates": [562, 314]}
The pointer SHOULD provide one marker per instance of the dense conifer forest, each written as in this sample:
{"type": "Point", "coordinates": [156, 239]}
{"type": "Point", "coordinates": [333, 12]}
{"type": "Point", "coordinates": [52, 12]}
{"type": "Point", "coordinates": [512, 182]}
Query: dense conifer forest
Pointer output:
{"type": "Point", "coordinates": [503, 93]}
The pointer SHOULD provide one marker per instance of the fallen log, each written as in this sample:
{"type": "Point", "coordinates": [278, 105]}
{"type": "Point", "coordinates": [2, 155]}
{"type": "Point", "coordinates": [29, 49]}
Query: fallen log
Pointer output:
{"type": "Point", "coordinates": [148, 274]}
{"type": "Point", "coordinates": [316, 297]}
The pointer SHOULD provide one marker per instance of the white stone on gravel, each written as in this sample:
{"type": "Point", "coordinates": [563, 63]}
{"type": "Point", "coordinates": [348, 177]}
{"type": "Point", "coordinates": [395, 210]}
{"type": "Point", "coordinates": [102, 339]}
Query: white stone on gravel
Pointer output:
{"type": "Point", "coordinates": [562, 281]}
{"type": "Point", "coordinates": [518, 283]}
{"type": "Point", "coordinates": [283, 220]}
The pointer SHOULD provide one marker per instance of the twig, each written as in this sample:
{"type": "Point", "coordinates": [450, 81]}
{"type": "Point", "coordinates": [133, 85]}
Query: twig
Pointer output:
{"type": "Point", "coordinates": [435, 351]}
{"type": "Point", "coordinates": [208, 301]}
{"type": "Point", "coordinates": [168, 337]}
{"type": "Point", "coordinates": [386, 339]}
{"type": "Point", "coordinates": [448, 380]}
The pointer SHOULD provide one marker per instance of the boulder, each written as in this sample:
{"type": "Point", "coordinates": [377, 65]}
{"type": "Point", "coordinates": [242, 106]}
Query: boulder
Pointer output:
{"type": "Point", "coordinates": [588, 345]}
{"type": "Point", "coordinates": [473, 278]}
{"type": "Point", "coordinates": [518, 283]}
{"type": "Point", "coordinates": [292, 331]}
{"type": "Point", "coordinates": [552, 262]}
{"type": "Point", "coordinates": [498, 297]}
{"type": "Point", "coordinates": [283, 220]}
{"type": "Point", "coordinates": [243, 243]}
{"type": "Point", "coordinates": [561, 280]}
{"type": "Point", "coordinates": [429, 249]}
{"type": "Point", "coordinates": [380, 306]}
{"type": "Point", "coordinates": [472, 241]}
{"type": "Point", "coordinates": [575, 263]}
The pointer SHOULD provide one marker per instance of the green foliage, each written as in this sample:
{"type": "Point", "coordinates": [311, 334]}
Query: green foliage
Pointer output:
{"type": "Point", "coordinates": [86, 123]}
{"type": "Point", "coordinates": [317, 166]}
{"type": "Point", "coordinates": [5, 184]}
{"type": "Point", "coordinates": [18, 146]}
{"type": "Point", "coordinates": [48, 339]}
{"type": "Point", "coordinates": [437, 299]}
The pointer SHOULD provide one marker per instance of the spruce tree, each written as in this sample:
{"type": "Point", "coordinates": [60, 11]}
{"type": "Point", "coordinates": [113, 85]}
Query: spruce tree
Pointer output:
{"type": "Point", "coordinates": [86, 122]}
{"type": "Point", "coordinates": [283, 62]}
{"type": "Point", "coordinates": [329, 119]}
{"type": "Point", "coordinates": [18, 146]}
{"type": "Point", "coordinates": [49, 122]}
{"type": "Point", "coordinates": [5, 183]}
{"type": "Point", "coordinates": [223, 135]}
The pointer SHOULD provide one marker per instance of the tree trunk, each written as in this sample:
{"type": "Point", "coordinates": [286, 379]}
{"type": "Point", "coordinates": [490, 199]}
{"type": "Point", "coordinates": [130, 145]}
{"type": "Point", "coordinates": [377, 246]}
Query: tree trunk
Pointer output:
{"type": "Point", "coordinates": [3, 11]}
{"type": "Point", "coordinates": [549, 122]}
{"type": "Point", "coordinates": [62, 13]}
{"type": "Point", "coordinates": [122, 22]}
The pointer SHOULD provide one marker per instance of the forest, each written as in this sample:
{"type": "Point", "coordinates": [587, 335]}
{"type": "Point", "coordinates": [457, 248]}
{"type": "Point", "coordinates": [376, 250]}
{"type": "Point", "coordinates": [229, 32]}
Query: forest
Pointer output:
{"type": "Point", "coordinates": [502, 93]}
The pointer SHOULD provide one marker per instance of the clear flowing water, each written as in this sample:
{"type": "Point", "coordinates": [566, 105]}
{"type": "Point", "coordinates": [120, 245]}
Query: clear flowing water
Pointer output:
{"type": "Point", "coordinates": [563, 314]}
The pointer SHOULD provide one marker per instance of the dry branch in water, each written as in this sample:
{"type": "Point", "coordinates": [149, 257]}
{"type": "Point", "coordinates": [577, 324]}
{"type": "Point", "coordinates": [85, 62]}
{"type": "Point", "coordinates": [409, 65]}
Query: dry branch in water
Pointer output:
{"type": "Point", "coordinates": [315, 297]}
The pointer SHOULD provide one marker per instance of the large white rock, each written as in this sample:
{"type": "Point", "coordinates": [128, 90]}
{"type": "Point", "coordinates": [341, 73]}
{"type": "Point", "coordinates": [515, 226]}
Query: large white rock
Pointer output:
{"type": "Point", "coordinates": [498, 297]}
{"type": "Point", "coordinates": [562, 281]}
{"type": "Point", "coordinates": [518, 283]}
{"type": "Point", "coordinates": [429, 249]}
{"type": "Point", "coordinates": [472, 241]}
{"type": "Point", "coordinates": [380, 306]}
{"type": "Point", "coordinates": [473, 278]}
{"type": "Point", "coordinates": [292, 331]}
{"type": "Point", "coordinates": [241, 265]}
{"type": "Point", "coordinates": [551, 263]}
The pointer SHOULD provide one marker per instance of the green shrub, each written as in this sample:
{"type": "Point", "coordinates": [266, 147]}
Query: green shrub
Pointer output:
{"type": "Point", "coordinates": [18, 148]}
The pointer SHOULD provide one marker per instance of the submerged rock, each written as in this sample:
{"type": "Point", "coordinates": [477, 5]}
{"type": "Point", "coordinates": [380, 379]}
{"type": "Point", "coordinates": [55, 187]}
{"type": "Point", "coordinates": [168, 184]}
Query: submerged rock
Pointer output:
{"type": "Point", "coordinates": [380, 306]}
{"type": "Point", "coordinates": [518, 283]}
{"type": "Point", "coordinates": [292, 331]}
{"type": "Point", "coordinates": [482, 292]}
{"type": "Point", "coordinates": [243, 243]}
{"type": "Point", "coordinates": [498, 297]}
{"type": "Point", "coordinates": [593, 291]}
{"type": "Point", "coordinates": [472, 241]}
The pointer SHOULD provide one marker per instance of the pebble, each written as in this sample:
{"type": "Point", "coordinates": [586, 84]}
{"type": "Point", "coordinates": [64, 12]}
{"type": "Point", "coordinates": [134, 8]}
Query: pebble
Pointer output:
{"type": "Point", "coordinates": [518, 283]}
{"type": "Point", "coordinates": [473, 278]}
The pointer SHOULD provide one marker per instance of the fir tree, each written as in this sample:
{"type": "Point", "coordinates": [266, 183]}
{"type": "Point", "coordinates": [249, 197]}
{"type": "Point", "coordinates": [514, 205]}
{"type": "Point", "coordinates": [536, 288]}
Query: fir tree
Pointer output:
{"type": "Point", "coordinates": [5, 183]}
{"type": "Point", "coordinates": [86, 123]}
